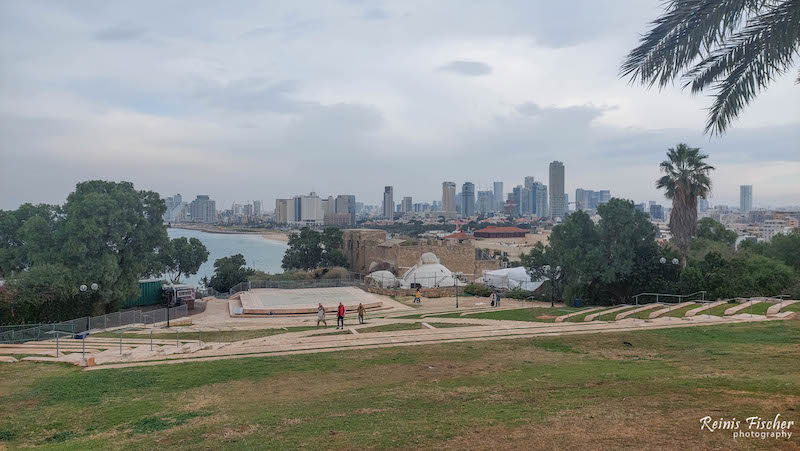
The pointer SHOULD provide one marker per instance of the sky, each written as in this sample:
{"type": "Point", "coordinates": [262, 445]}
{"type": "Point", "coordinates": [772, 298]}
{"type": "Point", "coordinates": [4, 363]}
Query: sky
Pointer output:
{"type": "Point", "coordinates": [247, 100]}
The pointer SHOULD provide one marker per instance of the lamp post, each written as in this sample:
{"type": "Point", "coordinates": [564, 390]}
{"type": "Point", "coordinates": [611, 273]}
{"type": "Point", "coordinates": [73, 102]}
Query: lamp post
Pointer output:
{"type": "Point", "coordinates": [83, 288]}
{"type": "Point", "coordinates": [674, 262]}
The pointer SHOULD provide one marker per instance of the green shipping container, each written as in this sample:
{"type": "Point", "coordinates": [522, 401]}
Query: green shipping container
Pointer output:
{"type": "Point", "coordinates": [149, 294]}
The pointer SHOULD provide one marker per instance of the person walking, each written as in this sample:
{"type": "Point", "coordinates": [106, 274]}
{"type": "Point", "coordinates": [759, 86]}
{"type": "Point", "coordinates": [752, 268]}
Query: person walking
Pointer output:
{"type": "Point", "coordinates": [340, 316]}
{"type": "Point", "coordinates": [497, 297]}
{"type": "Point", "coordinates": [321, 315]}
{"type": "Point", "coordinates": [417, 299]}
{"type": "Point", "coordinates": [492, 298]}
{"type": "Point", "coordinates": [361, 312]}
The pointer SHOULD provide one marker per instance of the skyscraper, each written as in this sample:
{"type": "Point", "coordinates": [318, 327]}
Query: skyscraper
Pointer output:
{"type": "Point", "coordinates": [346, 205]}
{"type": "Point", "coordinates": [203, 209]}
{"type": "Point", "coordinates": [541, 200]}
{"type": "Point", "coordinates": [498, 196]}
{"type": "Point", "coordinates": [406, 206]}
{"type": "Point", "coordinates": [257, 208]}
{"type": "Point", "coordinates": [468, 197]}
{"type": "Point", "coordinates": [485, 202]}
{"type": "Point", "coordinates": [388, 202]}
{"type": "Point", "coordinates": [557, 198]}
{"type": "Point", "coordinates": [449, 198]}
{"type": "Point", "coordinates": [745, 198]}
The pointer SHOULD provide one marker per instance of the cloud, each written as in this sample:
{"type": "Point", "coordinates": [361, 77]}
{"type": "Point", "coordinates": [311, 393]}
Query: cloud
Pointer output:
{"type": "Point", "coordinates": [120, 32]}
{"type": "Point", "coordinates": [253, 94]}
{"type": "Point", "coordinates": [375, 14]}
{"type": "Point", "coordinates": [529, 109]}
{"type": "Point", "coordinates": [469, 68]}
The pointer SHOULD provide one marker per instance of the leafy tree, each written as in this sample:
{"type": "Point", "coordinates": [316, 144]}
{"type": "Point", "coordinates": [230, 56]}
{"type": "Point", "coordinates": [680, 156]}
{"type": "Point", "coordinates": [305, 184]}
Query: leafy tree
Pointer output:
{"type": "Point", "coordinates": [311, 249]}
{"type": "Point", "coordinates": [785, 248]}
{"type": "Point", "coordinates": [183, 257]}
{"type": "Point", "coordinates": [107, 233]}
{"type": "Point", "coordinates": [686, 178]}
{"type": "Point", "coordinates": [712, 230]}
{"type": "Point", "coordinates": [45, 293]}
{"type": "Point", "coordinates": [228, 272]}
{"type": "Point", "coordinates": [734, 47]}
{"type": "Point", "coordinates": [110, 235]}
{"type": "Point", "coordinates": [746, 274]}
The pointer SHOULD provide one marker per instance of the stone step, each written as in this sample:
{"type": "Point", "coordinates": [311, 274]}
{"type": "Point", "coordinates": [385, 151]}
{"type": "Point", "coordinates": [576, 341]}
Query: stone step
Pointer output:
{"type": "Point", "coordinates": [740, 307]}
{"type": "Point", "coordinates": [579, 312]}
{"type": "Point", "coordinates": [773, 310]}
{"type": "Point", "coordinates": [658, 313]}
{"type": "Point", "coordinates": [703, 308]}
{"type": "Point", "coordinates": [636, 310]}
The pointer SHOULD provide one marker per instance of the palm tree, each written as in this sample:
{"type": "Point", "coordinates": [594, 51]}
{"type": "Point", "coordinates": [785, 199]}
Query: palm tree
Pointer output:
{"type": "Point", "coordinates": [686, 178]}
{"type": "Point", "coordinates": [735, 47]}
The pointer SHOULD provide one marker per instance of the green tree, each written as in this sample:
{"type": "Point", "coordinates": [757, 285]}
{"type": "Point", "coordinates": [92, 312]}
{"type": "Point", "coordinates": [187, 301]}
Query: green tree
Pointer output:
{"type": "Point", "coordinates": [228, 272]}
{"type": "Point", "coordinates": [18, 241]}
{"type": "Point", "coordinates": [183, 257]}
{"type": "Point", "coordinates": [110, 235]}
{"type": "Point", "coordinates": [734, 47]}
{"type": "Point", "coordinates": [686, 178]}
{"type": "Point", "coordinates": [745, 274]}
{"type": "Point", "coordinates": [710, 229]}
{"type": "Point", "coordinates": [785, 248]}
{"type": "Point", "coordinates": [311, 249]}
{"type": "Point", "coordinates": [45, 293]}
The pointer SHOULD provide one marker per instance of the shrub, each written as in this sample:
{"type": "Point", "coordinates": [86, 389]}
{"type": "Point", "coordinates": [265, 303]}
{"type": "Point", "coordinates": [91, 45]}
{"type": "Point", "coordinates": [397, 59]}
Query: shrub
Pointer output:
{"type": "Point", "coordinates": [519, 293]}
{"type": "Point", "coordinates": [475, 289]}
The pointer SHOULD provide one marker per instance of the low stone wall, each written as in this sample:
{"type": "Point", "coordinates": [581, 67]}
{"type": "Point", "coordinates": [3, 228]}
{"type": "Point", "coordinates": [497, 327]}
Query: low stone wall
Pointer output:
{"type": "Point", "coordinates": [440, 292]}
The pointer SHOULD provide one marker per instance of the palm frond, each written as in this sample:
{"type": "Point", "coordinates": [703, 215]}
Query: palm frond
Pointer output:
{"type": "Point", "coordinates": [742, 45]}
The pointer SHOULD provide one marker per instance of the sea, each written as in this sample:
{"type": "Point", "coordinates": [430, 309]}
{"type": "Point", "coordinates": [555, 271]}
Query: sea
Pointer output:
{"type": "Point", "coordinates": [259, 253]}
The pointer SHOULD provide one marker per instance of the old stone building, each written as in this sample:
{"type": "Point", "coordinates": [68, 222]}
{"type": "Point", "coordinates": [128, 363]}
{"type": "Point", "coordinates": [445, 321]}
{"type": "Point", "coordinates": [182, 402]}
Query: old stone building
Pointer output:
{"type": "Point", "coordinates": [369, 250]}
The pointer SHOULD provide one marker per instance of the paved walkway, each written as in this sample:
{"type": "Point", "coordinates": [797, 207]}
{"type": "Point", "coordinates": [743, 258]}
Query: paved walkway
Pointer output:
{"type": "Point", "coordinates": [304, 342]}
{"type": "Point", "coordinates": [561, 318]}
{"type": "Point", "coordinates": [773, 310]}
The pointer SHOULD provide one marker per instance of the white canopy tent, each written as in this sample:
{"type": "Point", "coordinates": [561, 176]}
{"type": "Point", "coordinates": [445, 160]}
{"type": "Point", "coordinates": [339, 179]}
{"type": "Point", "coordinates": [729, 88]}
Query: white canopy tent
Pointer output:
{"type": "Point", "coordinates": [510, 278]}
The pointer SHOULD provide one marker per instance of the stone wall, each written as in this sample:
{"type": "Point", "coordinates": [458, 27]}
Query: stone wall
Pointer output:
{"type": "Point", "coordinates": [362, 248]}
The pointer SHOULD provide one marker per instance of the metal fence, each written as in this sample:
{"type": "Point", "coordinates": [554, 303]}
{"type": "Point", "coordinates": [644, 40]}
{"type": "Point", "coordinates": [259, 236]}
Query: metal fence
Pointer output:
{"type": "Point", "coordinates": [647, 298]}
{"type": "Point", "coordinates": [78, 325]}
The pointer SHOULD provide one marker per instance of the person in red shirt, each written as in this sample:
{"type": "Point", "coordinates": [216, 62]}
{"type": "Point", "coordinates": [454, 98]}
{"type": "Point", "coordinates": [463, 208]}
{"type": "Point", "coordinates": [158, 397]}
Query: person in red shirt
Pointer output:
{"type": "Point", "coordinates": [340, 316]}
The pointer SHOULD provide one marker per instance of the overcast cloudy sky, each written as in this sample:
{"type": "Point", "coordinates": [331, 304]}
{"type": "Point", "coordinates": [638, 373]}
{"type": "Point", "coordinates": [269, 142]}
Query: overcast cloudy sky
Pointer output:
{"type": "Point", "coordinates": [256, 102]}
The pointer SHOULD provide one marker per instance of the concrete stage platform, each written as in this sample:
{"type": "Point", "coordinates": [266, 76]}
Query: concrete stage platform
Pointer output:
{"type": "Point", "coordinates": [300, 301]}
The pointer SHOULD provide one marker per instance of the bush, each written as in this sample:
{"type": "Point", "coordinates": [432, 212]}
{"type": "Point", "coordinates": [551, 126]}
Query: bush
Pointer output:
{"type": "Point", "coordinates": [475, 289]}
{"type": "Point", "coordinates": [519, 293]}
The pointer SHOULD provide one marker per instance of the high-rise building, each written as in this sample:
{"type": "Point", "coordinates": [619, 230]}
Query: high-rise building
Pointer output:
{"type": "Point", "coordinates": [498, 196]}
{"type": "Point", "coordinates": [388, 202]}
{"type": "Point", "coordinates": [604, 196]}
{"type": "Point", "coordinates": [257, 208]}
{"type": "Point", "coordinates": [406, 206]}
{"type": "Point", "coordinates": [203, 209]}
{"type": "Point", "coordinates": [485, 202]}
{"type": "Point", "coordinates": [346, 205]}
{"type": "Point", "coordinates": [449, 198]}
{"type": "Point", "coordinates": [176, 209]}
{"type": "Point", "coordinates": [468, 199]}
{"type": "Point", "coordinates": [702, 204]}
{"type": "Point", "coordinates": [557, 198]}
{"type": "Point", "coordinates": [745, 198]}
{"type": "Point", "coordinates": [540, 200]}
{"type": "Point", "coordinates": [656, 212]}
{"type": "Point", "coordinates": [311, 212]}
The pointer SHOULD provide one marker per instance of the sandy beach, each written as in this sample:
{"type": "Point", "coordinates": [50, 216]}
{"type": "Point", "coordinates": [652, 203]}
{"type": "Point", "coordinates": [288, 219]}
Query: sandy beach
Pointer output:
{"type": "Point", "coordinates": [272, 235]}
{"type": "Point", "coordinates": [276, 235]}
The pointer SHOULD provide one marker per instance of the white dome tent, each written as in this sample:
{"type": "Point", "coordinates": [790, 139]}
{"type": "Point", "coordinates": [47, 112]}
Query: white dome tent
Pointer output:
{"type": "Point", "coordinates": [511, 278]}
{"type": "Point", "coordinates": [382, 279]}
{"type": "Point", "coordinates": [429, 273]}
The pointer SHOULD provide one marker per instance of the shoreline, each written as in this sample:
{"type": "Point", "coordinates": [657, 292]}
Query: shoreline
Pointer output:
{"type": "Point", "coordinates": [270, 235]}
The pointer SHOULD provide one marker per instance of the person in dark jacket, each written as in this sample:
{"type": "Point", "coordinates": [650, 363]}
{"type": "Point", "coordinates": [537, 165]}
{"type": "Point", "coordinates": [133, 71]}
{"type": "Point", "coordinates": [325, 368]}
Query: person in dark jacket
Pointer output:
{"type": "Point", "coordinates": [361, 312]}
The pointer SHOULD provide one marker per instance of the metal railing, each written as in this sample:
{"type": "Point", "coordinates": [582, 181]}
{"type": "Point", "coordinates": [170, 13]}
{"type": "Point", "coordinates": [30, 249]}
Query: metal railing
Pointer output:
{"type": "Point", "coordinates": [107, 321]}
{"type": "Point", "coordinates": [670, 297]}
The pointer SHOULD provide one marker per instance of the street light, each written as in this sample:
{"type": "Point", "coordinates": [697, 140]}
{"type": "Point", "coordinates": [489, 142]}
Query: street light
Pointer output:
{"type": "Point", "coordinates": [83, 288]}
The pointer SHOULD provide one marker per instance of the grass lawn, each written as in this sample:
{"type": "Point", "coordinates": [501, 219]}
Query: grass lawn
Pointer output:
{"type": "Point", "coordinates": [523, 314]}
{"type": "Point", "coordinates": [720, 309]}
{"type": "Point", "coordinates": [581, 317]}
{"type": "Point", "coordinates": [645, 314]}
{"type": "Point", "coordinates": [391, 327]}
{"type": "Point", "coordinates": [681, 312]}
{"type": "Point", "coordinates": [215, 336]}
{"type": "Point", "coordinates": [581, 391]}
{"type": "Point", "coordinates": [760, 308]}
{"type": "Point", "coordinates": [792, 308]}
{"type": "Point", "coordinates": [613, 316]}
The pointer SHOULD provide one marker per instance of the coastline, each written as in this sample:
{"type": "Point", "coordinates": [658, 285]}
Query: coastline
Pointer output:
{"type": "Point", "coordinates": [271, 235]}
